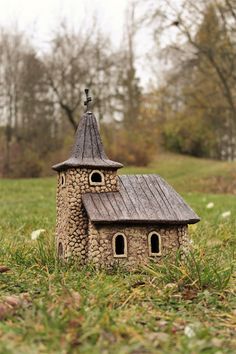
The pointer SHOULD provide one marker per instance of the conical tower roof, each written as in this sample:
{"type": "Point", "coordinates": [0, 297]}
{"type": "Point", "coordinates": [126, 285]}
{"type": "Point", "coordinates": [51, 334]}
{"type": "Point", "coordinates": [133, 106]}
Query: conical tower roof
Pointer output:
{"type": "Point", "coordinates": [88, 150]}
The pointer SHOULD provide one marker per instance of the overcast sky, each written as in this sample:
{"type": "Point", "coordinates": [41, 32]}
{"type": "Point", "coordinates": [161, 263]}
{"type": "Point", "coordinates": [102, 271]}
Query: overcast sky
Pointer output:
{"type": "Point", "coordinates": [40, 17]}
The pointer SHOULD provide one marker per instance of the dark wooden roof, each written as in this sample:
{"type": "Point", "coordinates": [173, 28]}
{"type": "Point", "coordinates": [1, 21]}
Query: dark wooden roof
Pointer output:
{"type": "Point", "coordinates": [88, 150]}
{"type": "Point", "coordinates": [141, 198]}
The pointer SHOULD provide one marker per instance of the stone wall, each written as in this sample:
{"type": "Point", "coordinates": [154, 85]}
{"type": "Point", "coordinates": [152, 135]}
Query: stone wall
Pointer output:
{"type": "Point", "coordinates": [72, 221]}
{"type": "Point", "coordinates": [184, 241]}
{"type": "Point", "coordinates": [100, 250]}
{"type": "Point", "coordinates": [62, 215]}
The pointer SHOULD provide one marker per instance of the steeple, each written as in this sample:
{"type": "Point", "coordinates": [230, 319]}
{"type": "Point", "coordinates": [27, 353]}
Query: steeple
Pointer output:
{"type": "Point", "coordinates": [88, 149]}
{"type": "Point", "coordinates": [88, 99]}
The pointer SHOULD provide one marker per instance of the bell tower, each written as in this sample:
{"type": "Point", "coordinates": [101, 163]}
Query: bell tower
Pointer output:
{"type": "Point", "coordinates": [88, 169]}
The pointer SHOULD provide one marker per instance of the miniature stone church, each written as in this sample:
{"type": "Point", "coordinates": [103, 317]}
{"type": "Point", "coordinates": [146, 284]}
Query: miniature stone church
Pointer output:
{"type": "Point", "coordinates": [108, 220]}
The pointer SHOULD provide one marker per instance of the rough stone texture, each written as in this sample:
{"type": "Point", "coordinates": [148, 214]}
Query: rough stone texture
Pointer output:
{"type": "Point", "coordinates": [72, 220]}
{"type": "Point", "coordinates": [100, 247]}
{"type": "Point", "coordinates": [85, 241]}
{"type": "Point", "coordinates": [184, 241]}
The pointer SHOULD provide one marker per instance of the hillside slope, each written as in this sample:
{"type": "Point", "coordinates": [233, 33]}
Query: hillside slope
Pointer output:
{"type": "Point", "coordinates": [189, 174]}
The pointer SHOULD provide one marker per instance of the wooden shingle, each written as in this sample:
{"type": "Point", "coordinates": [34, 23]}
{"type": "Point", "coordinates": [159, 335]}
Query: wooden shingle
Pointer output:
{"type": "Point", "coordinates": [141, 199]}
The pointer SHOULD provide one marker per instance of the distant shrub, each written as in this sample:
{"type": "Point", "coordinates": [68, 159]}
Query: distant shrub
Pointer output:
{"type": "Point", "coordinates": [26, 163]}
{"type": "Point", "coordinates": [27, 160]}
{"type": "Point", "coordinates": [189, 135]}
{"type": "Point", "coordinates": [129, 147]}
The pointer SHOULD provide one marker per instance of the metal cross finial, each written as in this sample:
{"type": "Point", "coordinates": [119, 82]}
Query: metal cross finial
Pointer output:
{"type": "Point", "coordinates": [88, 99]}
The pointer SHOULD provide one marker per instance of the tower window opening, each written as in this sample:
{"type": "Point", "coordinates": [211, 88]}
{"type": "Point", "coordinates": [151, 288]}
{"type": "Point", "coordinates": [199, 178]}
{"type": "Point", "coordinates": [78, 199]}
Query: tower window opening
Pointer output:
{"type": "Point", "coordinates": [63, 179]}
{"type": "Point", "coordinates": [96, 178]}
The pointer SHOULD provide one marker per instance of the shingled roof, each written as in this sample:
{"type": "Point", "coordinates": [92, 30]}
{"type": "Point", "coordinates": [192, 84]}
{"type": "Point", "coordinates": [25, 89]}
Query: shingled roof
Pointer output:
{"type": "Point", "coordinates": [88, 150]}
{"type": "Point", "coordinates": [141, 198]}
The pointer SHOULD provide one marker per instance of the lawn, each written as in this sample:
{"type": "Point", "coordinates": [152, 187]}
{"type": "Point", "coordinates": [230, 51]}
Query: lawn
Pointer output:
{"type": "Point", "coordinates": [176, 307]}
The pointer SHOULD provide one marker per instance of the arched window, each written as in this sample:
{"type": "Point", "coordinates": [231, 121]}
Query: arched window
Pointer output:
{"type": "Point", "coordinates": [96, 178]}
{"type": "Point", "coordinates": [119, 245]}
{"type": "Point", "coordinates": [154, 244]}
{"type": "Point", "coordinates": [63, 179]}
{"type": "Point", "coordinates": [60, 251]}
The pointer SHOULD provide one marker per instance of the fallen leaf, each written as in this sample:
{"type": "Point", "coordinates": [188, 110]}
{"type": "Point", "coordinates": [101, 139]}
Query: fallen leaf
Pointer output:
{"type": "Point", "coordinates": [189, 294]}
{"type": "Point", "coordinates": [189, 332]}
{"type": "Point", "coordinates": [10, 303]}
{"type": "Point", "coordinates": [73, 300]}
{"type": "Point", "coordinates": [4, 269]}
{"type": "Point", "coordinates": [13, 300]}
{"type": "Point", "coordinates": [4, 309]}
{"type": "Point", "coordinates": [158, 338]}
{"type": "Point", "coordinates": [162, 336]}
{"type": "Point", "coordinates": [138, 283]}
{"type": "Point", "coordinates": [170, 286]}
{"type": "Point", "coordinates": [162, 323]}
{"type": "Point", "coordinates": [217, 342]}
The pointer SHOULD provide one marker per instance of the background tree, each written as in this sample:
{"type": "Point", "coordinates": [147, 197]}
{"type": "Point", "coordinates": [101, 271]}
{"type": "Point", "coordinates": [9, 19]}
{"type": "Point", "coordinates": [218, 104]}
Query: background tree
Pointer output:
{"type": "Point", "coordinates": [129, 137]}
{"type": "Point", "coordinates": [11, 48]}
{"type": "Point", "coordinates": [202, 53]}
{"type": "Point", "coordinates": [79, 59]}
{"type": "Point", "coordinates": [128, 86]}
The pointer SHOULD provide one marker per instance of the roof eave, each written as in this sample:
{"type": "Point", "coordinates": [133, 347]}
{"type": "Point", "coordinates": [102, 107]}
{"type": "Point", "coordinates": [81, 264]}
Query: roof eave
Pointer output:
{"type": "Point", "coordinates": [66, 165]}
{"type": "Point", "coordinates": [130, 221]}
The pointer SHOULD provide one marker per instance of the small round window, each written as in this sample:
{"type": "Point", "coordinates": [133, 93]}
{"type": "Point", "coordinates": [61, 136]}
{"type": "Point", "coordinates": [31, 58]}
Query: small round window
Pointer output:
{"type": "Point", "coordinates": [96, 178]}
{"type": "Point", "coordinates": [63, 179]}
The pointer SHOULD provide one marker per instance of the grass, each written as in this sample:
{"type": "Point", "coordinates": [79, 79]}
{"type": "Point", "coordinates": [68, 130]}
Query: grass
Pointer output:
{"type": "Point", "coordinates": [176, 307]}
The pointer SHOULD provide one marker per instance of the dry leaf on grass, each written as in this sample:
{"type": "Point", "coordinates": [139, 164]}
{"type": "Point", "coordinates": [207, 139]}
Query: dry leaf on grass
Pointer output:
{"type": "Point", "coordinates": [10, 303]}
{"type": "Point", "coordinates": [189, 294]}
{"type": "Point", "coordinates": [189, 331]}
{"type": "Point", "coordinates": [69, 300]}
{"type": "Point", "coordinates": [4, 310]}
{"type": "Point", "coordinates": [4, 269]}
{"type": "Point", "coordinates": [158, 338]}
{"type": "Point", "coordinates": [138, 283]}
{"type": "Point", "coordinates": [73, 300]}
